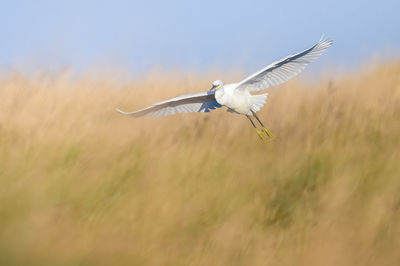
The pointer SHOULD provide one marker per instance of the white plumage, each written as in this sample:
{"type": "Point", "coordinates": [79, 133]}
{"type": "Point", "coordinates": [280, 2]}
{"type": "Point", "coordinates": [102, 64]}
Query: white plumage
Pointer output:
{"type": "Point", "coordinates": [188, 103]}
{"type": "Point", "coordinates": [285, 69]}
{"type": "Point", "coordinates": [236, 96]}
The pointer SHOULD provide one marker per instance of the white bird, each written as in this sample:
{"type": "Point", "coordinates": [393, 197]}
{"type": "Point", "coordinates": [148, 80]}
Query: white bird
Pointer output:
{"type": "Point", "coordinates": [237, 97]}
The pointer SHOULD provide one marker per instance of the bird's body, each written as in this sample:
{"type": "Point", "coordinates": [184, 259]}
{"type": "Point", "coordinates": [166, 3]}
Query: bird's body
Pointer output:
{"type": "Point", "coordinates": [237, 97]}
{"type": "Point", "coordinates": [239, 101]}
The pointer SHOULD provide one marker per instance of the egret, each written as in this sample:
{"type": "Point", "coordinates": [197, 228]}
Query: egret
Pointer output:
{"type": "Point", "coordinates": [237, 97]}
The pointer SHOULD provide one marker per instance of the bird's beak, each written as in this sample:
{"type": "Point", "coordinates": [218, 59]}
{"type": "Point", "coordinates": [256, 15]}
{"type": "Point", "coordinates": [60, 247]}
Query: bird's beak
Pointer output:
{"type": "Point", "coordinates": [213, 88]}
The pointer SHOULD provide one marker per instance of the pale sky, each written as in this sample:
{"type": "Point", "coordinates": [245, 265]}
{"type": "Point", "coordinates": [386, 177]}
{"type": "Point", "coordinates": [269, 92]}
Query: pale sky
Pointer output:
{"type": "Point", "coordinates": [192, 35]}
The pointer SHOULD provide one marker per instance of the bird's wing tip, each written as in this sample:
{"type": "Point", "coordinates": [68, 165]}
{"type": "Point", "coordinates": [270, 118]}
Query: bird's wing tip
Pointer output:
{"type": "Point", "coordinates": [325, 40]}
{"type": "Point", "coordinates": [122, 112]}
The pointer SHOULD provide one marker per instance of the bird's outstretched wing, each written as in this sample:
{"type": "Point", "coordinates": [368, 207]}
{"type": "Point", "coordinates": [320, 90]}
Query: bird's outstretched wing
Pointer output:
{"type": "Point", "coordinates": [189, 103]}
{"type": "Point", "coordinates": [285, 69]}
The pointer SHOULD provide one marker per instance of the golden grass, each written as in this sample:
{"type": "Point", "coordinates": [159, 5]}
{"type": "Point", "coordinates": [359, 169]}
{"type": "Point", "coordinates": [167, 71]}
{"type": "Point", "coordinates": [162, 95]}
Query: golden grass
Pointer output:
{"type": "Point", "coordinates": [83, 185]}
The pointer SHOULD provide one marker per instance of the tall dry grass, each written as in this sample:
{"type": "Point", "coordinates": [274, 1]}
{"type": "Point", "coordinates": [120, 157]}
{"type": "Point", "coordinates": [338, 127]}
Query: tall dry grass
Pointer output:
{"type": "Point", "coordinates": [83, 185]}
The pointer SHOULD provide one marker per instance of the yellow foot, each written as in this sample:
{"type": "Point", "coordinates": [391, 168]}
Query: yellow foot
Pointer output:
{"type": "Point", "coordinates": [260, 134]}
{"type": "Point", "coordinates": [269, 134]}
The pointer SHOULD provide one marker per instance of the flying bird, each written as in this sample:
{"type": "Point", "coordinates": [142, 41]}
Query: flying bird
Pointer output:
{"type": "Point", "coordinates": [237, 97]}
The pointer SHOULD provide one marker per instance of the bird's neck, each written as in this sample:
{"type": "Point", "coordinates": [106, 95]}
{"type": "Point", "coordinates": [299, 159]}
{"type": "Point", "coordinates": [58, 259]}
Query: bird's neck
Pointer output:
{"type": "Point", "coordinates": [219, 95]}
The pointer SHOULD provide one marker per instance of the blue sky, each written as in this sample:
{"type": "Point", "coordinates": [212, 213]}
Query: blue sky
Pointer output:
{"type": "Point", "coordinates": [192, 35]}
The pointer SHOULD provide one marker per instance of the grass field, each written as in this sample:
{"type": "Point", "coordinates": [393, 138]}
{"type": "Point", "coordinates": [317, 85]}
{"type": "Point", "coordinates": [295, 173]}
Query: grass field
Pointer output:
{"type": "Point", "coordinates": [83, 185]}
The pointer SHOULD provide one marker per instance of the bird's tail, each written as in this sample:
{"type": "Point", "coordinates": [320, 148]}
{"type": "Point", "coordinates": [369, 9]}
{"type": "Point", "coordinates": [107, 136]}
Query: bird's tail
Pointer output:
{"type": "Point", "coordinates": [258, 101]}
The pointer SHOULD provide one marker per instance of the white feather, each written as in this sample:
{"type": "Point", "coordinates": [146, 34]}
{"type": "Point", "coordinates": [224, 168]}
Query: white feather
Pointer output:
{"type": "Point", "coordinates": [196, 102]}
{"type": "Point", "coordinates": [285, 69]}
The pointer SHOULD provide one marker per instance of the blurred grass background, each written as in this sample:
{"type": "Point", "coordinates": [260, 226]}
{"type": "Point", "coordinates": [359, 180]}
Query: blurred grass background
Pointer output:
{"type": "Point", "coordinates": [83, 185]}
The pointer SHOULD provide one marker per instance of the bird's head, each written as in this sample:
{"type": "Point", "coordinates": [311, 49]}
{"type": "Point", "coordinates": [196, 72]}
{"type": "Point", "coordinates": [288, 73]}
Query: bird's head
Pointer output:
{"type": "Point", "coordinates": [216, 85]}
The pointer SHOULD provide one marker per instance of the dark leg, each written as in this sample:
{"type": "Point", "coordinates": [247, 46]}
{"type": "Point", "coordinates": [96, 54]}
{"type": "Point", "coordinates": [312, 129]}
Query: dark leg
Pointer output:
{"type": "Point", "coordinates": [259, 132]}
{"type": "Point", "coordinates": [251, 121]}
{"type": "Point", "coordinates": [258, 119]}
{"type": "Point", "coordinates": [269, 134]}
